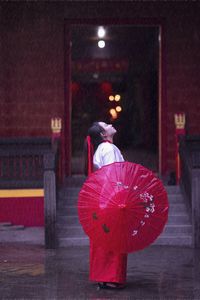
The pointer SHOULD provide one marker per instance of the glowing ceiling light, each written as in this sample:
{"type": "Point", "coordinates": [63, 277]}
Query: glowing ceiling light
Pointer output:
{"type": "Point", "coordinates": [101, 32]}
{"type": "Point", "coordinates": [111, 98]}
{"type": "Point", "coordinates": [117, 97]}
{"type": "Point", "coordinates": [118, 108]}
{"type": "Point", "coordinates": [101, 44]}
{"type": "Point", "coordinates": [113, 113]}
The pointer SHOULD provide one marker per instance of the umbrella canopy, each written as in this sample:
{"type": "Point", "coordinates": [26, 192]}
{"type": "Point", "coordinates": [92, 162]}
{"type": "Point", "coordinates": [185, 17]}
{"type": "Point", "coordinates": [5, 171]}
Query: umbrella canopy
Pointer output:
{"type": "Point", "coordinates": [123, 207]}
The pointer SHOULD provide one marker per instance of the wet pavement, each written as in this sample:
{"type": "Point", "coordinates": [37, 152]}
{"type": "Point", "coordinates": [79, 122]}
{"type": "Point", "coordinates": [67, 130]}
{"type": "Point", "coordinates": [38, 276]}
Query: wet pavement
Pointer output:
{"type": "Point", "coordinates": [158, 272]}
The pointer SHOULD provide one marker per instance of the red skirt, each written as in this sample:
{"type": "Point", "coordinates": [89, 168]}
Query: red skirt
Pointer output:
{"type": "Point", "coordinates": [107, 266]}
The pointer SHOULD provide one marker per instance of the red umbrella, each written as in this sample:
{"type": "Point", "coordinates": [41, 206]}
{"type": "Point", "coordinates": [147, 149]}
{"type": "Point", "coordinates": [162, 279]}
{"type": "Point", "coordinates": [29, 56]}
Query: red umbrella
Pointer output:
{"type": "Point", "coordinates": [123, 207]}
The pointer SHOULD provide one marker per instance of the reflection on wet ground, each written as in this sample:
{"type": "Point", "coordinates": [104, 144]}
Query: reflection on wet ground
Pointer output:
{"type": "Point", "coordinates": [158, 272]}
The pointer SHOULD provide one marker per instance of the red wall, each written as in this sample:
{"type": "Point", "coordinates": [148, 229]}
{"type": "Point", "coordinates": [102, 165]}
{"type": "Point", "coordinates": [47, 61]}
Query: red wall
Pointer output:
{"type": "Point", "coordinates": [182, 76]}
{"type": "Point", "coordinates": [32, 61]}
{"type": "Point", "coordinates": [32, 70]}
{"type": "Point", "coordinates": [27, 211]}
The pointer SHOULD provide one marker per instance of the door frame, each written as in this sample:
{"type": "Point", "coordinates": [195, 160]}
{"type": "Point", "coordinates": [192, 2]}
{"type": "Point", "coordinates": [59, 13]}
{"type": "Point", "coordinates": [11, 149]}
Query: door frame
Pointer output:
{"type": "Point", "coordinates": [162, 100]}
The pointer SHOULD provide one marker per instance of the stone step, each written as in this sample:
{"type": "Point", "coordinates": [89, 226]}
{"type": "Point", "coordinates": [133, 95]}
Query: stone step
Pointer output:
{"type": "Point", "coordinates": [73, 201]}
{"type": "Point", "coordinates": [178, 229]}
{"type": "Point", "coordinates": [72, 230]}
{"type": "Point", "coordinates": [176, 219]}
{"type": "Point", "coordinates": [172, 189]}
{"type": "Point", "coordinates": [77, 231]}
{"type": "Point", "coordinates": [66, 205]}
{"type": "Point", "coordinates": [30, 235]}
{"type": "Point", "coordinates": [175, 198]}
{"type": "Point", "coordinates": [65, 196]}
{"type": "Point", "coordinates": [69, 198]}
{"type": "Point", "coordinates": [5, 223]}
{"type": "Point", "coordinates": [66, 209]}
{"type": "Point", "coordinates": [74, 191]}
{"type": "Point", "coordinates": [167, 240]}
{"type": "Point", "coordinates": [69, 192]}
{"type": "Point", "coordinates": [177, 208]}
{"type": "Point", "coordinates": [185, 240]}
{"type": "Point", "coordinates": [11, 227]}
{"type": "Point", "coordinates": [73, 241]}
{"type": "Point", "coordinates": [75, 180]}
{"type": "Point", "coordinates": [5, 226]}
{"type": "Point", "coordinates": [67, 220]}
{"type": "Point", "coordinates": [72, 210]}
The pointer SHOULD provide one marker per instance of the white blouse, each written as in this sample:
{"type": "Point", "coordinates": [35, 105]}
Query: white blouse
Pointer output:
{"type": "Point", "coordinates": [105, 154]}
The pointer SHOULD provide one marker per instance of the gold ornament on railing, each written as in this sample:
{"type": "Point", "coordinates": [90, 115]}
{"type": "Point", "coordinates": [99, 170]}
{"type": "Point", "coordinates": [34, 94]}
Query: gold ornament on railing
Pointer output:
{"type": "Point", "coordinates": [179, 120]}
{"type": "Point", "coordinates": [56, 125]}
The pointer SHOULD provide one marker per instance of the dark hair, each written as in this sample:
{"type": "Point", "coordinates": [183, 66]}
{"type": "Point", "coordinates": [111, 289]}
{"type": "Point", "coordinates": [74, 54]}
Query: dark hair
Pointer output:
{"type": "Point", "coordinates": [95, 134]}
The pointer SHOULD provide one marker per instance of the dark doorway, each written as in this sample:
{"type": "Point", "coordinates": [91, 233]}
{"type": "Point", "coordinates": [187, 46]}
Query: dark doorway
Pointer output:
{"type": "Point", "coordinates": [127, 66]}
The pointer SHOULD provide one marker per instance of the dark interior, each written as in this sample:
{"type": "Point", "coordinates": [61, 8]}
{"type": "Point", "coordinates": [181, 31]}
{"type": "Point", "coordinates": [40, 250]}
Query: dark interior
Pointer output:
{"type": "Point", "coordinates": [128, 65]}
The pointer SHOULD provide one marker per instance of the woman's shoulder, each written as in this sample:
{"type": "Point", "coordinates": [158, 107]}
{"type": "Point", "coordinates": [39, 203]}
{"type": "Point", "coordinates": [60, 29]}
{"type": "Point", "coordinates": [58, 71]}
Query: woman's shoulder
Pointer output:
{"type": "Point", "coordinates": [106, 146]}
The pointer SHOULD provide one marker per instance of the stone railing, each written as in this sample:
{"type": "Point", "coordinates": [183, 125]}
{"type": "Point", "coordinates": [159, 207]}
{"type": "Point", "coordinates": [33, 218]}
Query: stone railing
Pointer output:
{"type": "Point", "coordinates": [189, 150]}
{"type": "Point", "coordinates": [32, 163]}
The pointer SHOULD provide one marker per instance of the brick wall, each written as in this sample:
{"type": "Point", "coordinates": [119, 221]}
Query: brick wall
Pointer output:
{"type": "Point", "coordinates": [32, 61]}
{"type": "Point", "coordinates": [182, 76]}
{"type": "Point", "coordinates": [32, 69]}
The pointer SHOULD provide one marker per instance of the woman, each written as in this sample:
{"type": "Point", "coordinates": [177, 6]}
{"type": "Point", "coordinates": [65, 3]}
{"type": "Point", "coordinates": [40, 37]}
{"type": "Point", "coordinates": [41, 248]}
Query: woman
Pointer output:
{"type": "Point", "coordinates": [106, 267]}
